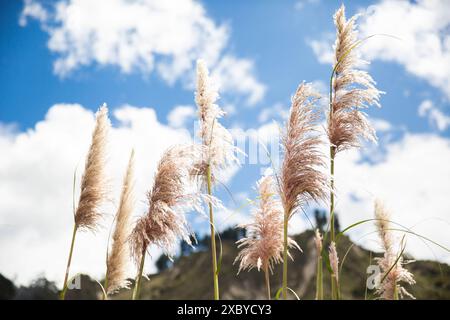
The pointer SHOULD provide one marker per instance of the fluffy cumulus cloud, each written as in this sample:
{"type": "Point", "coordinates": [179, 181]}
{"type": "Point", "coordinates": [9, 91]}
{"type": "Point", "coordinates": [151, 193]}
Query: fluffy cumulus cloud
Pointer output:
{"type": "Point", "coordinates": [36, 186]}
{"type": "Point", "coordinates": [412, 177]}
{"type": "Point", "coordinates": [423, 29]}
{"type": "Point", "coordinates": [235, 75]}
{"type": "Point", "coordinates": [180, 115]}
{"type": "Point", "coordinates": [323, 47]}
{"type": "Point", "coordinates": [145, 35]}
{"type": "Point", "coordinates": [436, 117]}
{"type": "Point", "coordinates": [32, 9]}
{"type": "Point", "coordinates": [276, 111]}
{"type": "Point", "coordinates": [423, 44]}
{"type": "Point", "coordinates": [381, 125]}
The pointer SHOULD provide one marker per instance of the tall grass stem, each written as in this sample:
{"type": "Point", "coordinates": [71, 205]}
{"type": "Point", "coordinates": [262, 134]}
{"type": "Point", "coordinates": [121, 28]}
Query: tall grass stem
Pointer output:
{"type": "Point", "coordinates": [267, 278]}
{"type": "Point", "coordinates": [137, 286]}
{"type": "Point", "coordinates": [332, 157]}
{"type": "Point", "coordinates": [319, 280]}
{"type": "Point", "coordinates": [285, 255]}
{"type": "Point", "coordinates": [332, 223]}
{"type": "Point", "coordinates": [69, 260]}
{"type": "Point", "coordinates": [105, 286]}
{"type": "Point", "coordinates": [213, 237]}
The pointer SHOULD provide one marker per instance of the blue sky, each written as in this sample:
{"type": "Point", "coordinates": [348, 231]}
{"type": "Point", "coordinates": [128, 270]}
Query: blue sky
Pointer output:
{"type": "Point", "coordinates": [281, 42]}
{"type": "Point", "coordinates": [273, 34]}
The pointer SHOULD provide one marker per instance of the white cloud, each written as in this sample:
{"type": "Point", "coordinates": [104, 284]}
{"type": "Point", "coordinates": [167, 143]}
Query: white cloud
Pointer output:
{"type": "Point", "coordinates": [381, 125]}
{"type": "Point", "coordinates": [299, 5]}
{"type": "Point", "coordinates": [423, 27]}
{"type": "Point", "coordinates": [33, 10]}
{"type": "Point", "coordinates": [424, 45]}
{"type": "Point", "coordinates": [229, 109]}
{"type": "Point", "coordinates": [435, 116]}
{"type": "Point", "coordinates": [323, 48]}
{"type": "Point", "coordinates": [147, 35]}
{"type": "Point", "coordinates": [179, 115]}
{"type": "Point", "coordinates": [236, 75]}
{"type": "Point", "coordinates": [412, 178]}
{"type": "Point", "coordinates": [277, 111]}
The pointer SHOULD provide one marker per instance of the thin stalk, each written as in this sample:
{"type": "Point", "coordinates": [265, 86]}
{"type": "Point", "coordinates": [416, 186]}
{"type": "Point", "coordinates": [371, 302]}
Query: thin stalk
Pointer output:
{"type": "Point", "coordinates": [334, 288]}
{"type": "Point", "coordinates": [105, 294]}
{"type": "Point", "coordinates": [285, 255]}
{"type": "Point", "coordinates": [213, 237]}
{"type": "Point", "coordinates": [338, 289]}
{"type": "Point", "coordinates": [396, 297]}
{"type": "Point", "coordinates": [137, 286]}
{"type": "Point", "coordinates": [267, 277]}
{"type": "Point", "coordinates": [319, 280]}
{"type": "Point", "coordinates": [370, 262]}
{"type": "Point", "coordinates": [332, 156]}
{"type": "Point", "coordinates": [69, 260]}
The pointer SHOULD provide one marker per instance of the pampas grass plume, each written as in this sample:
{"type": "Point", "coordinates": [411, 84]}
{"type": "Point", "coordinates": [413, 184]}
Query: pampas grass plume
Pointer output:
{"type": "Point", "coordinates": [352, 89]}
{"type": "Point", "coordinates": [390, 288]}
{"type": "Point", "coordinates": [263, 245]}
{"type": "Point", "coordinates": [164, 224]}
{"type": "Point", "coordinates": [93, 182]}
{"type": "Point", "coordinates": [117, 260]}
{"type": "Point", "coordinates": [301, 177]}
{"type": "Point", "coordinates": [334, 260]}
{"type": "Point", "coordinates": [218, 150]}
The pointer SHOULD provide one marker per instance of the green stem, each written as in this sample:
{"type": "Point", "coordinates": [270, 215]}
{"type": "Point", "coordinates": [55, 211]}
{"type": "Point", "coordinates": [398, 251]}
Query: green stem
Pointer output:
{"type": "Point", "coordinates": [319, 280]}
{"type": "Point", "coordinates": [137, 286]}
{"type": "Point", "coordinates": [334, 288]}
{"type": "Point", "coordinates": [69, 260]}
{"type": "Point", "coordinates": [396, 297]}
{"type": "Point", "coordinates": [332, 156]}
{"type": "Point", "coordinates": [105, 286]}
{"type": "Point", "coordinates": [213, 236]}
{"type": "Point", "coordinates": [266, 275]}
{"type": "Point", "coordinates": [285, 255]}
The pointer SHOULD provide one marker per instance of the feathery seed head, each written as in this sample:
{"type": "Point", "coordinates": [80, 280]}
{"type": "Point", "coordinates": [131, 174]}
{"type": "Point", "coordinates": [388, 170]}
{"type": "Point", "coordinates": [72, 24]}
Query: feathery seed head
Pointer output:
{"type": "Point", "coordinates": [353, 89]}
{"type": "Point", "coordinates": [263, 245]}
{"type": "Point", "coordinates": [318, 241]}
{"type": "Point", "coordinates": [117, 261]}
{"type": "Point", "coordinates": [165, 222]}
{"type": "Point", "coordinates": [382, 222]}
{"type": "Point", "coordinates": [390, 262]}
{"type": "Point", "coordinates": [93, 182]}
{"type": "Point", "coordinates": [334, 260]}
{"type": "Point", "coordinates": [301, 178]}
{"type": "Point", "coordinates": [218, 150]}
